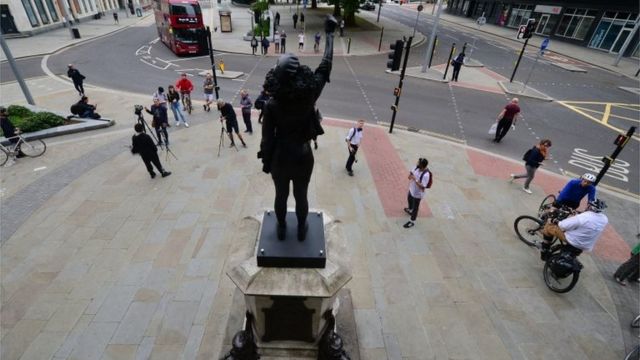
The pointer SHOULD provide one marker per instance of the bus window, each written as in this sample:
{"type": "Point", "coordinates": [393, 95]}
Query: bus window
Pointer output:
{"type": "Point", "coordinates": [187, 36]}
{"type": "Point", "coordinates": [185, 9]}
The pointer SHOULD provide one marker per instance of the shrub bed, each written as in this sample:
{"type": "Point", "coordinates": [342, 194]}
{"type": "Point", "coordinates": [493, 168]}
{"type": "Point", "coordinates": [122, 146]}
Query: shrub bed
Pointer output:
{"type": "Point", "coordinates": [29, 121]}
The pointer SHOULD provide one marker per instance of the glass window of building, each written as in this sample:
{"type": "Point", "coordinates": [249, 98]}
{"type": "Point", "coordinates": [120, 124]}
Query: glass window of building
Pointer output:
{"type": "Point", "coordinates": [519, 15]}
{"type": "Point", "coordinates": [612, 30]}
{"type": "Point", "coordinates": [52, 11]}
{"type": "Point", "coordinates": [30, 13]}
{"type": "Point", "coordinates": [42, 11]}
{"type": "Point", "coordinates": [575, 23]}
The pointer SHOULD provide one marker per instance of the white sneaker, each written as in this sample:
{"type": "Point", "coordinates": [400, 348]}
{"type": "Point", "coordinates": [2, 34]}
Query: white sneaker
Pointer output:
{"type": "Point", "coordinates": [527, 190]}
{"type": "Point", "coordinates": [186, 125]}
{"type": "Point", "coordinates": [513, 177]}
{"type": "Point", "coordinates": [177, 124]}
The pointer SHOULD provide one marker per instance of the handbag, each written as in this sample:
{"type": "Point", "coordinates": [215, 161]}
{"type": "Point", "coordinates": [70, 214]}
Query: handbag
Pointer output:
{"type": "Point", "coordinates": [493, 128]}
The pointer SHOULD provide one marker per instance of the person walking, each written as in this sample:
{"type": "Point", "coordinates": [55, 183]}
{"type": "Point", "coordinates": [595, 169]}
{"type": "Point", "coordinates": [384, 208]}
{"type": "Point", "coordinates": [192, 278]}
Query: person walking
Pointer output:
{"type": "Point", "coordinates": [208, 88]}
{"type": "Point", "coordinates": [173, 97]}
{"type": "Point", "coordinates": [457, 65]}
{"type": "Point", "coordinates": [276, 41]}
{"type": "Point", "coordinates": [341, 28]}
{"type": "Point", "coordinates": [419, 180]}
{"type": "Point", "coordinates": [115, 18]}
{"type": "Point", "coordinates": [143, 145]}
{"type": "Point", "coordinates": [261, 102]}
{"type": "Point", "coordinates": [245, 105]}
{"type": "Point", "coordinates": [265, 46]}
{"type": "Point", "coordinates": [301, 41]}
{"type": "Point", "coordinates": [630, 268]}
{"type": "Point", "coordinates": [302, 20]}
{"type": "Point", "coordinates": [506, 119]}
{"type": "Point", "coordinates": [231, 121]}
{"type": "Point", "coordinates": [295, 20]}
{"type": "Point", "coordinates": [160, 121]}
{"type": "Point", "coordinates": [533, 158]}
{"type": "Point", "coordinates": [277, 19]}
{"type": "Point", "coordinates": [316, 41]}
{"type": "Point", "coordinates": [77, 79]}
{"type": "Point", "coordinates": [283, 42]}
{"type": "Point", "coordinates": [254, 44]}
{"type": "Point", "coordinates": [353, 139]}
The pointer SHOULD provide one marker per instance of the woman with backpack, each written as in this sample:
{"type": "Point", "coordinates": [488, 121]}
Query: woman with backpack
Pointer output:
{"type": "Point", "coordinates": [533, 158]}
{"type": "Point", "coordinates": [420, 180]}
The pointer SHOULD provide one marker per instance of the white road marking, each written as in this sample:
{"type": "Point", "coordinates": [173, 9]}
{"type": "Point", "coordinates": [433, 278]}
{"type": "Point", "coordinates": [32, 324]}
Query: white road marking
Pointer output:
{"type": "Point", "coordinates": [40, 168]}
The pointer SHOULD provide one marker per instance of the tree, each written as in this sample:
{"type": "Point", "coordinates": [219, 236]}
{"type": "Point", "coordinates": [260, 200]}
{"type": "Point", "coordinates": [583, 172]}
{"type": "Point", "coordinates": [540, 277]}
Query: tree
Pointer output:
{"type": "Point", "coordinates": [350, 8]}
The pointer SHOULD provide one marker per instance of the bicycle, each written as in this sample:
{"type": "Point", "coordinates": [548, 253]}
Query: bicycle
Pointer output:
{"type": "Point", "coordinates": [561, 268]}
{"type": "Point", "coordinates": [186, 102]}
{"type": "Point", "coordinates": [31, 148]}
{"type": "Point", "coordinates": [634, 354]}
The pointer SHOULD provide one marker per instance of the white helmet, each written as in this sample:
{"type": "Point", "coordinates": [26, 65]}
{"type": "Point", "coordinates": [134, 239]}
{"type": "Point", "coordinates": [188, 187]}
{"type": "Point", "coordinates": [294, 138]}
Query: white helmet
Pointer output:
{"type": "Point", "coordinates": [589, 177]}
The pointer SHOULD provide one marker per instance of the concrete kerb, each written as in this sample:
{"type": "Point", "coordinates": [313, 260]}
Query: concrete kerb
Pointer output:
{"type": "Point", "coordinates": [635, 91]}
{"type": "Point", "coordinates": [569, 67]}
{"type": "Point", "coordinates": [516, 87]}
{"type": "Point", "coordinates": [431, 74]}
{"type": "Point", "coordinates": [472, 63]}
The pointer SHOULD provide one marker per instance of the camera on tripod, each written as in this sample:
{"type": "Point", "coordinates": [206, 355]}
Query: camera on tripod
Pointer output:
{"type": "Point", "coordinates": [138, 109]}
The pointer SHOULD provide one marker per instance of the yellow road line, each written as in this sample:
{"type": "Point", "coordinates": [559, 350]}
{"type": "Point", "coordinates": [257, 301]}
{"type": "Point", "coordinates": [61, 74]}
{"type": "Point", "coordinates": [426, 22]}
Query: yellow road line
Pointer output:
{"type": "Point", "coordinates": [574, 108]}
{"type": "Point", "coordinates": [605, 116]}
{"type": "Point", "coordinates": [610, 115]}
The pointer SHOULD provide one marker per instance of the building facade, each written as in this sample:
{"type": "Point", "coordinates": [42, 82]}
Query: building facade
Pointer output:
{"type": "Point", "coordinates": [597, 24]}
{"type": "Point", "coordinates": [28, 17]}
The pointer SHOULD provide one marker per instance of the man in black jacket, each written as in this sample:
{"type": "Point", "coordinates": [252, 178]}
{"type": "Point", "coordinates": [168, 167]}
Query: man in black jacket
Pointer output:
{"type": "Point", "coordinates": [160, 120]}
{"type": "Point", "coordinates": [77, 79]}
{"type": "Point", "coordinates": [142, 144]}
{"type": "Point", "coordinates": [231, 121]}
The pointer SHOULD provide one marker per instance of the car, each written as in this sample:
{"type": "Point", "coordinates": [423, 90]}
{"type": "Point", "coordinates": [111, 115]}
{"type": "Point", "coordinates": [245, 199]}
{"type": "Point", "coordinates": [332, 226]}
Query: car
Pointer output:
{"type": "Point", "coordinates": [367, 6]}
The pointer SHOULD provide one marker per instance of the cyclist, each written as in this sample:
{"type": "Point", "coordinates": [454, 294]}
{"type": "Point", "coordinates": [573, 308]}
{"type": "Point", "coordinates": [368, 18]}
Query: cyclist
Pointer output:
{"type": "Point", "coordinates": [10, 132]}
{"type": "Point", "coordinates": [185, 86]}
{"type": "Point", "coordinates": [578, 233]}
{"type": "Point", "coordinates": [575, 190]}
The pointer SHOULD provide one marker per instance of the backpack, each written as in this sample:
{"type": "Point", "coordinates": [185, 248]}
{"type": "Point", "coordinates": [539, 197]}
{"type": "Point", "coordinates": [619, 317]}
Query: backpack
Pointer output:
{"type": "Point", "coordinates": [526, 155]}
{"type": "Point", "coordinates": [430, 178]}
{"type": "Point", "coordinates": [352, 135]}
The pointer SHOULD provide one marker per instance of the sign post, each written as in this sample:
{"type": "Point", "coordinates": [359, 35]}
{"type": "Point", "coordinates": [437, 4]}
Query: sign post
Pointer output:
{"type": "Point", "coordinates": [543, 47]}
{"type": "Point", "coordinates": [479, 22]}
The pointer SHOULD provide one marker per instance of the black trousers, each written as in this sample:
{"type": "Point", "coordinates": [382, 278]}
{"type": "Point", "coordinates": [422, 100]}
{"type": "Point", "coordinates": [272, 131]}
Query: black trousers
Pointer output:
{"type": "Point", "coordinates": [503, 127]}
{"type": "Point", "coordinates": [352, 157]}
{"type": "Point", "coordinates": [299, 173]}
{"type": "Point", "coordinates": [630, 269]}
{"type": "Point", "coordinates": [152, 159]}
{"type": "Point", "coordinates": [413, 204]}
{"type": "Point", "coordinates": [79, 87]}
{"type": "Point", "coordinates": [159, 132]}
{"type": "Point", "coordinates": [246, 116]}
{"type": "Point", "coordinates": [456, 72]}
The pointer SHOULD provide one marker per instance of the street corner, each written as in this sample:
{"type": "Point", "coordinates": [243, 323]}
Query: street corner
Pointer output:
{"type": "Point", "coordinates": [519, 89]}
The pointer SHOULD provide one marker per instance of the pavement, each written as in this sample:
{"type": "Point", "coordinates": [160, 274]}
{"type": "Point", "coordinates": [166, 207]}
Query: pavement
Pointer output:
{"type": "Point", "coordinates": [99, 261]}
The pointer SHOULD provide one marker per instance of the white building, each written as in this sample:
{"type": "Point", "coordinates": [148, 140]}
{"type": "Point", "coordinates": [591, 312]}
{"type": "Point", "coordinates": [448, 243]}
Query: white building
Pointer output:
{"type": "Point", "coordinates": [28, 17]}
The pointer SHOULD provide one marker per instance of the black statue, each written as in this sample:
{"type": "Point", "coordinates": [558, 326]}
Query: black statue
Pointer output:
{"type": "Point", "coordinates": [290, 122]}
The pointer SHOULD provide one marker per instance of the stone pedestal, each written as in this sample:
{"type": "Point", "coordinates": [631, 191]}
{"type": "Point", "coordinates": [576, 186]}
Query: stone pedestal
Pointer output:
{"type": "Point", "coordinates": [289, 304]}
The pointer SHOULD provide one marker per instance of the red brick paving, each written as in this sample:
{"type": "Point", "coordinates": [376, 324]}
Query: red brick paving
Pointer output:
{"type": "Point", "coordinates": [611, 245]}
{"type": "Point", "coordinates": [389, 172]}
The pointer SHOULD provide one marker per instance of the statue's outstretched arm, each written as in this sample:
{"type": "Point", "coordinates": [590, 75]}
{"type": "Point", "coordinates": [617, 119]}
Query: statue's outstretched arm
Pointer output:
{"type": "Point", "coordinates": [324, 69]}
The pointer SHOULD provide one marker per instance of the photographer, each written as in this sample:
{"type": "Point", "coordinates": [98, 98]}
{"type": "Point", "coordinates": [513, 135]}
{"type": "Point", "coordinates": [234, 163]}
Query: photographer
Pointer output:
{"type": "Point", "coordinates": [142, 144]}
{"type": "Point", "coordinates": [160, 121]}
{"type": "Point", "coordinates": [85, 110]}
{"type": "Point", "coordinates": [231, 122]}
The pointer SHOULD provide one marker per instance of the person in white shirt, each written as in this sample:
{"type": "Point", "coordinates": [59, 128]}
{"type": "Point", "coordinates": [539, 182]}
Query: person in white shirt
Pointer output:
{"type": "Point", "coordinates": [353, 139]}
{"type": "Point", "coordinates": [160, 96]}
{"type": "Point", "coordinates": [419, 179]}
{"type": "Point", "coordinates": [300, 40]}
{"type": "Point", "coordinates": [579, 232]}
{"type": "Point", "coordinates": [276, 41]}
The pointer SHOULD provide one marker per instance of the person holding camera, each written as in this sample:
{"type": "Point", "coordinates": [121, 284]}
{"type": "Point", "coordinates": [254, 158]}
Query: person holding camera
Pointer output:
{"type": "Point", "coordinates": [142, 144]}
{"type": "Point", "coordinates": [231, 121]}
{"type": "Point", "coordinates": [419, 179]}
{"type": "Point", "coordinates": [160, 121]}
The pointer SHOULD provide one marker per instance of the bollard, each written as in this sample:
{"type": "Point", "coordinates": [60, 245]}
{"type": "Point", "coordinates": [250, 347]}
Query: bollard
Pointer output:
{"type": "Point", "coordinates": [464, 47]}
{"type": "Point", "coordinates": [349, 46]}
{"type": "Point", "coordinates": [380, 43]}
{"type": "Point", "coordinates": [433, 51]}
{"type": "Point", "coordinates": [446, 70]}
{"type": "Point", "coordinates": [637, 72]}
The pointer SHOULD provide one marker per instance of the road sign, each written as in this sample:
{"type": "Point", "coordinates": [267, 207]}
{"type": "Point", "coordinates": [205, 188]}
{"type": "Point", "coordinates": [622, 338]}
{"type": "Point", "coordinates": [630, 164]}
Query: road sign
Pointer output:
{"type": "Point", "coordinates": [544, 44]}
{"type": "Point", "coordinates": [481, 20]}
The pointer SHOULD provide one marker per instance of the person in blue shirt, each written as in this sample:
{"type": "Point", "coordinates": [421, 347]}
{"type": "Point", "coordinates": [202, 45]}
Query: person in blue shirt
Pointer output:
{"type": "Point", "coordinates": [576, 189]}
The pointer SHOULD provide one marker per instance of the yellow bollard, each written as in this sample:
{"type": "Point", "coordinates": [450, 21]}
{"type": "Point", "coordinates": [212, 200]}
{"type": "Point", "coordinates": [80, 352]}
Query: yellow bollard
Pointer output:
{"type": "Point", "coordinates": [221, 66]}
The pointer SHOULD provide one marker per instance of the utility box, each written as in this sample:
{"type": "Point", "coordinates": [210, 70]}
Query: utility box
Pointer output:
{"type": "Point", "coordinates": [225, 21]}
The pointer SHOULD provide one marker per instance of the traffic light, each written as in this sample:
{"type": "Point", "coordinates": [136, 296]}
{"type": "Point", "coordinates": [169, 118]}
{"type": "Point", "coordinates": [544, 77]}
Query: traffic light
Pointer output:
{"type": "Point", "coordinates": [529, 29]}
{"type": "Point", "coordinates": [620, 140]}
{"type": "Point", "coordinates": [395, 55]}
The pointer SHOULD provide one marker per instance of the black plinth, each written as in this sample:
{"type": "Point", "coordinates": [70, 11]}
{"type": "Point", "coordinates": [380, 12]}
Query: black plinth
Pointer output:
{"type": "Point", "coordinates": [291, 252]}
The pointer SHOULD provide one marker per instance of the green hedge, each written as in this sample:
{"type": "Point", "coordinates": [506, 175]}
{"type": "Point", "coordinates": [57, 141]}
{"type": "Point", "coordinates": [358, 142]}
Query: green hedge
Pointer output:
{"type": "Point", "coordinates": [28, 121]}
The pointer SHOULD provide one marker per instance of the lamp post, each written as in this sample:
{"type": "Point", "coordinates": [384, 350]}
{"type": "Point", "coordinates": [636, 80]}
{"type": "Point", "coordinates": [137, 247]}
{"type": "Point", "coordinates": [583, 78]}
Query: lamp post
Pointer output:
{"type": "Point", "coordinates": [16, 70]}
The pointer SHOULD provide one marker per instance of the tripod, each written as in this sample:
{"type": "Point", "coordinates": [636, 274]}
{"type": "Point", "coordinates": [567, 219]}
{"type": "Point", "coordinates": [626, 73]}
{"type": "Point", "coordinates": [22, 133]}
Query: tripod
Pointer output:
{"type": "Point", "coordinates": [155, 139]}
{"type": "Point", "coordinates": [221, 143]}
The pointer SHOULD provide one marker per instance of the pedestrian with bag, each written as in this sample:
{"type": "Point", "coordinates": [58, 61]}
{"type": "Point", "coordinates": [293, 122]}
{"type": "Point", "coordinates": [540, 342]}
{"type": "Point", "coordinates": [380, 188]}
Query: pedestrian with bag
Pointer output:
{"type": "Point", "coordinates": [533, 158]}
{"type": "Point", "coordinates": [353, 139]}
{"type": "Point", "coordinates": [420, 179]}
{"type": "Point", "coordinates": [630, 269]}
{"type": "Point", "coordinates": [457, 65]}
{"type": "Point", "coordinates": [143, 145]}
{"type": "Point", "coordinates": [245, 105]}
{"type": "Point", "coordinates": [506, 119]}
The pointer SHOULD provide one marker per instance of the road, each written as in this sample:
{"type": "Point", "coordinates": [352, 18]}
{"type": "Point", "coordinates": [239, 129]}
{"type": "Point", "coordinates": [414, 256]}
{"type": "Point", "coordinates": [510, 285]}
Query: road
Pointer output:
{"type": "Point", "coordinates": [360, 88]}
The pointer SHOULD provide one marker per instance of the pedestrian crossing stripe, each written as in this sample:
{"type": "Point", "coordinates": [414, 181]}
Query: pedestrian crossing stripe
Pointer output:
{"type": "Point", "coordinates": [603, 112]}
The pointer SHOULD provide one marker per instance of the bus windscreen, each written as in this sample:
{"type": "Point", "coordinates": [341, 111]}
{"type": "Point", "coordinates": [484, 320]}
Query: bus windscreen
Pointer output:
{"type": "Point", "coordinates": [185, 9]}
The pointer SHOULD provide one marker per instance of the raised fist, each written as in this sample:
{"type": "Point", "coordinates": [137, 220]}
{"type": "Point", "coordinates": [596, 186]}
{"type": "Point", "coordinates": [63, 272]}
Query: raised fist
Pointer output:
{"type": "Point", "coordinates": [330, 24]}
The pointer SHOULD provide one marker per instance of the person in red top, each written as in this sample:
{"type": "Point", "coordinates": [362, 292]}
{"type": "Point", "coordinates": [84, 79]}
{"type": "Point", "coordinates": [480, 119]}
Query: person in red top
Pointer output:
{"type": "Point", "coordinates": [506, 119]}
{"type": "Point", "coordinates": [185, 86]}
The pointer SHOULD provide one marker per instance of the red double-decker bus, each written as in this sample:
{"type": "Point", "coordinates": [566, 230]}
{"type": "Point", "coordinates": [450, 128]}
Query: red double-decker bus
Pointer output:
{"type": "Point", "coordinates": [180, 26]}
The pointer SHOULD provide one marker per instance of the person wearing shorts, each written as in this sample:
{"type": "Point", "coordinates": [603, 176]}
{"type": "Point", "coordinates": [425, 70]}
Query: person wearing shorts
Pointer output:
{"type": "Point", "coordinates": [208, 92]}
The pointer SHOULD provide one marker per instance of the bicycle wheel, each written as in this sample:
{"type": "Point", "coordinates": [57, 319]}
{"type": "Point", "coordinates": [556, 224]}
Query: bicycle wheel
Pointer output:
{"type": "Point", "coordinates": [636, 322]}
{"type": "Point", "coordinates": [189, 108]}
{"type": "Point", "coordinates": [546, 204]}
{"type": "Point", "coordinates": [559, 284]}
{"type": "Point", "coordinates": [33, 148]}
{"type": "Point", "coordinates": [528, 229]}
{"type": "Point", "coordinates": [634, 354]}
{"type": "Point", "coordinates": [4, 156]}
